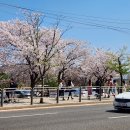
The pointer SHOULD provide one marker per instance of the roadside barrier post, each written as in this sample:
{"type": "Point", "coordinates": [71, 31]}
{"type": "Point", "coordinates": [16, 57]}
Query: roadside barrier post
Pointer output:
{"type": "Point", "coordinates": [2, 93]}
{"type": "Point", "coordinates": [57, 97]}
{"type": "Point", "coordinates": [80, 94]}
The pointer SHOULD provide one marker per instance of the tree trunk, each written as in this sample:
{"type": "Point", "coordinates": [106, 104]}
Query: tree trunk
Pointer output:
{"type": "Point", "coordinates": [32, 91]}
{"type": "Point", "coordinates": [100, 89]}
{"type": "Point", "coordinates": [42, 91]}
{"type": "Point", "coordinates": [63, 75]}
{"type": "Point", "coordinates": [121, 77]}
{"type": "Point", "coordinates": [59, 75]}
{"type": "Point", "coordinates": [33, 78]}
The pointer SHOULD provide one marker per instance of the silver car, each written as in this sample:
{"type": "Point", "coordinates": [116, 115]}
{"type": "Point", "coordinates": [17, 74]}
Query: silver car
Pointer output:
{"type": "Point", "coordinates": [122, 101]}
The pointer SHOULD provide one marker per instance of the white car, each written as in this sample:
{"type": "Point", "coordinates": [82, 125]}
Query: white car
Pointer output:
{"type": "Point", "coordinates": [84, 93]}
{"type": "Point", "coordinates": [122, 101]}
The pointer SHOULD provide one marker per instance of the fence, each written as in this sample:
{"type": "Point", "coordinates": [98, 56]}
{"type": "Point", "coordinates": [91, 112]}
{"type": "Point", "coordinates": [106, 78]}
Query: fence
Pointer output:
{"type": "Point", "coordinates": [53, 94]}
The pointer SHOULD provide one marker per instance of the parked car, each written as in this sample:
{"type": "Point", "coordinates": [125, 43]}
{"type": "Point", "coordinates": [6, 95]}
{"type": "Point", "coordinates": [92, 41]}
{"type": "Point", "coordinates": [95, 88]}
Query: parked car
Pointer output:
{"type": "Point", "coordinates": [22, 93]}
{"type": "Point", "coordinates": [122, 101]}
{"type": "Point", "coordinates": [76, 92]}
{"type": "Point", "coordinates": [84, 92]}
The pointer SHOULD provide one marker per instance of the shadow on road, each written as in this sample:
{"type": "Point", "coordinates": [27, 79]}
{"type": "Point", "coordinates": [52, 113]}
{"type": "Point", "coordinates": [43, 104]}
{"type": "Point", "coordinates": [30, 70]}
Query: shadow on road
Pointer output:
{"type": "Point", "coordinates": [119, 111]}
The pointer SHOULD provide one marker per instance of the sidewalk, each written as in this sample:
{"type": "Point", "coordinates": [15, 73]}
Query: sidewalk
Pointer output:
{"type": "Point", "coordinates": [51, 102]}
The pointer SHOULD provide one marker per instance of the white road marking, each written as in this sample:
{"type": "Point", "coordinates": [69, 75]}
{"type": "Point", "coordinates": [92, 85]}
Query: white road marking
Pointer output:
{"type": "Point", "coordinates": [27, 115]}
{"type": "Point", "coordinates": [117, 117]}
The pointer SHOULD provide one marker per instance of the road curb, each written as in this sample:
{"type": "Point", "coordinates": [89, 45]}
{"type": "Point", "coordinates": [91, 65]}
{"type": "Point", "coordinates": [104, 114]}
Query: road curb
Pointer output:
{"type": "Point", "coordinates": [53, 105]}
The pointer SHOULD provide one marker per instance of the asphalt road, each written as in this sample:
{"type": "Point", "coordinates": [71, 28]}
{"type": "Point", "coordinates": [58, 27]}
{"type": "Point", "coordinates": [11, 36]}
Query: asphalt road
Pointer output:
{"type": "Point", "coordinates": [96, 117]}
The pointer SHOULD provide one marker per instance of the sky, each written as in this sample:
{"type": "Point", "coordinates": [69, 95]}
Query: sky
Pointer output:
{"type": "Point", "coordinates": [102, 23]}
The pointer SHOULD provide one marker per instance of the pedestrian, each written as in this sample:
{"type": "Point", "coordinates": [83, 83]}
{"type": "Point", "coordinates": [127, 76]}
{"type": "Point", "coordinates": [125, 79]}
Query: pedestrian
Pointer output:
{"type": "Point", "coordinates": [70, 85]}
{"type": "Point", "coordinates": [7, 95]}
{"type": "Point", "coordinates": [97, 87]}
{"type": "Point", "coordinates": [105, 89]}
{"type": "Point", "coordinates": [10, 91]}
{"type": "Point", "coordinates": [124, 86]}
{"type": "Point", "coordinates": [118, 88]}
{"type": "Point", "coordinates": [89, 88]}
{"type": "Point", "coordinates": [114, 88]}
{"type": "Point", "coordinates": [61, 89]}
{"type": "Point", "coordinates": [110, 85]}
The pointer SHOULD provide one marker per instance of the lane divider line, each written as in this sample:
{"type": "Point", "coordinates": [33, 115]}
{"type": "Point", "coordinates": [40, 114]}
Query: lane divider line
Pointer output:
{"type": "Point", "coordinates": [118, 117]}
{"type": "Point", "coordinates": [28, 115]}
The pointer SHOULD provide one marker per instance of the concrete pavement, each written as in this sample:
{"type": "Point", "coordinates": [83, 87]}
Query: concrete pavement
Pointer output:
{"type": "Point", "coordinates": [51, 102]}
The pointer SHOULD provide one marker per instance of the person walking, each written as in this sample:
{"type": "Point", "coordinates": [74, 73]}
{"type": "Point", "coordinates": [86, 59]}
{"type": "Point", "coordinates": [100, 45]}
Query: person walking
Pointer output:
{"type": "Point", "coordinates": [70, 84]}
{"type": "Point", "coordinates": [89, 88]}
{"type": "Point", "coordinates": [114, 88]}
{"type": "Point", "coordinates": [13, 86]}
{"type": "Point", "coordinates": [106, 89]}
{"type": "Point", "coordinates": [11, 89]}
{"type": "Point", "coordinates": [97, 83]}
{"type": "Point", "coordinates": [110, 84]}
{"type": "Point", "coordinates": [124, 86]}
{"type": "Point", "coordinates": [61, 89]}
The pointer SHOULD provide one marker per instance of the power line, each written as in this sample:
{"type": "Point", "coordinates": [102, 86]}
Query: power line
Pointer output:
{"type": "Point", "coordinates": [75, 21]}
{"type": "Point", "coordinates": [18, 7]}
{"type": "Point", "coordinates": [91, 18]}
{"type": "Point", "coordinates": [118, 29]}
{"type": "Point", "coordinates": [118, 21]}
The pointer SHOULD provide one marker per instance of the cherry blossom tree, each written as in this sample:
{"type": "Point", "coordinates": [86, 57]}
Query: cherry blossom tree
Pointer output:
{"type": "Point", "coordinates": [70, 57]}
{"type": "Point", "coordinates": [120, 63]}
{"type": "Point", "coordinates": [97, 66]}
{"type": "Point", "coordinates": [31, 44]}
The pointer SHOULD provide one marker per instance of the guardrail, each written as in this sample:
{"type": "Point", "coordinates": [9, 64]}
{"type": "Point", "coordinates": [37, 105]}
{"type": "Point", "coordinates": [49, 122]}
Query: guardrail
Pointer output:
{"type": "Point", "coordinates": [8, 95]}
